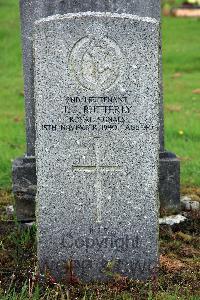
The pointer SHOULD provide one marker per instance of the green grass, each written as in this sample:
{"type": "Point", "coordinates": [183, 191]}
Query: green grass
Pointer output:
{"type": "Point", "coordinates": [181, 57]}
{"type": "Point", "coordinates": [12, 136]}
{"type": "Point", "coordinates": [181, 40]}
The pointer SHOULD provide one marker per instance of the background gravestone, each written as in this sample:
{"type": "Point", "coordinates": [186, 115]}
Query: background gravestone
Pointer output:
{"type": "Point", "coordinates": [97, 143]}
{"type": "Point", "coordinates": [24, 172]}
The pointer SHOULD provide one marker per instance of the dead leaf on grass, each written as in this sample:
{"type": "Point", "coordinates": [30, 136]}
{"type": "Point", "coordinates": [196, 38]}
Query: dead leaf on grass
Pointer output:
{"type": "Point", "coordinates": [171, 265]}
{"type": "Point", "coordinates": [184, 158]}
{"type": "Point", "coordinates": [196, 91]}
{"type": "Point", "coordinates": [17, 119]}
{"type": "Point", "coordinates": [185, 190]}
{"type": "Point", "coordinates": [176, 75]}
{"type": "Point", "coordinates": [173, 108]}
{"type": "Point", "coordinates": [197, 111]}
{"type": "Point", "coordinates": [195, 197]}
{"type": "Point", "coordinates": [6, 198]}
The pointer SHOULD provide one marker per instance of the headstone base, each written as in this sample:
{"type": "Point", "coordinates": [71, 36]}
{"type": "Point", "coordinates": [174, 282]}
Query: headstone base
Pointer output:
{"type": "Point", "coordinates": [169, 186]}
{"type": "Point", "coordinates": [24, 187]}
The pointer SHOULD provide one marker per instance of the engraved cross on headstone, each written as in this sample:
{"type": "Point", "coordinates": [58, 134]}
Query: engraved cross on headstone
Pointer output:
{"type": "Point", "coordinates": [97, 169]}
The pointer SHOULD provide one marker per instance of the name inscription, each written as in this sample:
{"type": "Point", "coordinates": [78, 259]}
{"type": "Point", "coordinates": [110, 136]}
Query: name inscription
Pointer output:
{"type": "Point", "coordinates": [97, 113]}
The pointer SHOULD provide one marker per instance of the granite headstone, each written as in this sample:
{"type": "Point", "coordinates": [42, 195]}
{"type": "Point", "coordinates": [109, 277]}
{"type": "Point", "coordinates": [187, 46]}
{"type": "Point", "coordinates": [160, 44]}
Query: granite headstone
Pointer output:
{"type": "Point", "coordinates": [24, 174]}
{"type": "Point", "coordinates": [97, 144]}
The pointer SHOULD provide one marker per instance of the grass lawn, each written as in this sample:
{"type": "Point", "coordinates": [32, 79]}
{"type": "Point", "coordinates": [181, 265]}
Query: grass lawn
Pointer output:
{"type": "Point", "coordinates": [181, 65]}
{"type": "Point", "coordinates": [12, 135]}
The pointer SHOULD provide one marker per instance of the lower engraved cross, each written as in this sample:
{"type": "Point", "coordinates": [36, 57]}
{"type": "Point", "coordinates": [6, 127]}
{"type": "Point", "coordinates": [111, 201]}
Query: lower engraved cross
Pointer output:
{"type": "Point", "coordinates": [98, 170]}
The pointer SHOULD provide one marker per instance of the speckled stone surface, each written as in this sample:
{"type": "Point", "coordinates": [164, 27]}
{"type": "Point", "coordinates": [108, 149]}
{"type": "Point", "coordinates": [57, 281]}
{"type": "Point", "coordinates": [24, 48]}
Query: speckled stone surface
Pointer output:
{"type": "Point", "coordinates": [97, 129]}
{"type": "Point", "coordinates": [33, 10]}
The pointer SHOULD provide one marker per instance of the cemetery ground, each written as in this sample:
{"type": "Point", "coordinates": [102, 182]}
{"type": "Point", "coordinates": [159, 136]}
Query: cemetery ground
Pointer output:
{"type": "Point", "coordinates": [178, 276]}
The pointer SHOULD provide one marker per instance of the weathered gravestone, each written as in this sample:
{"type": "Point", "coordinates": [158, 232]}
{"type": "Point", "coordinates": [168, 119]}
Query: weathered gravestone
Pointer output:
{"type": "Point", "coordinates": [97, 143]}
{"type": "Point", "coordinates": [24, 173]}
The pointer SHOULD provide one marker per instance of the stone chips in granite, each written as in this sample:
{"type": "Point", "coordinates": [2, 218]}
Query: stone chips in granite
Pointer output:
{"type": "Point", "coordinates": [97, 142]}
